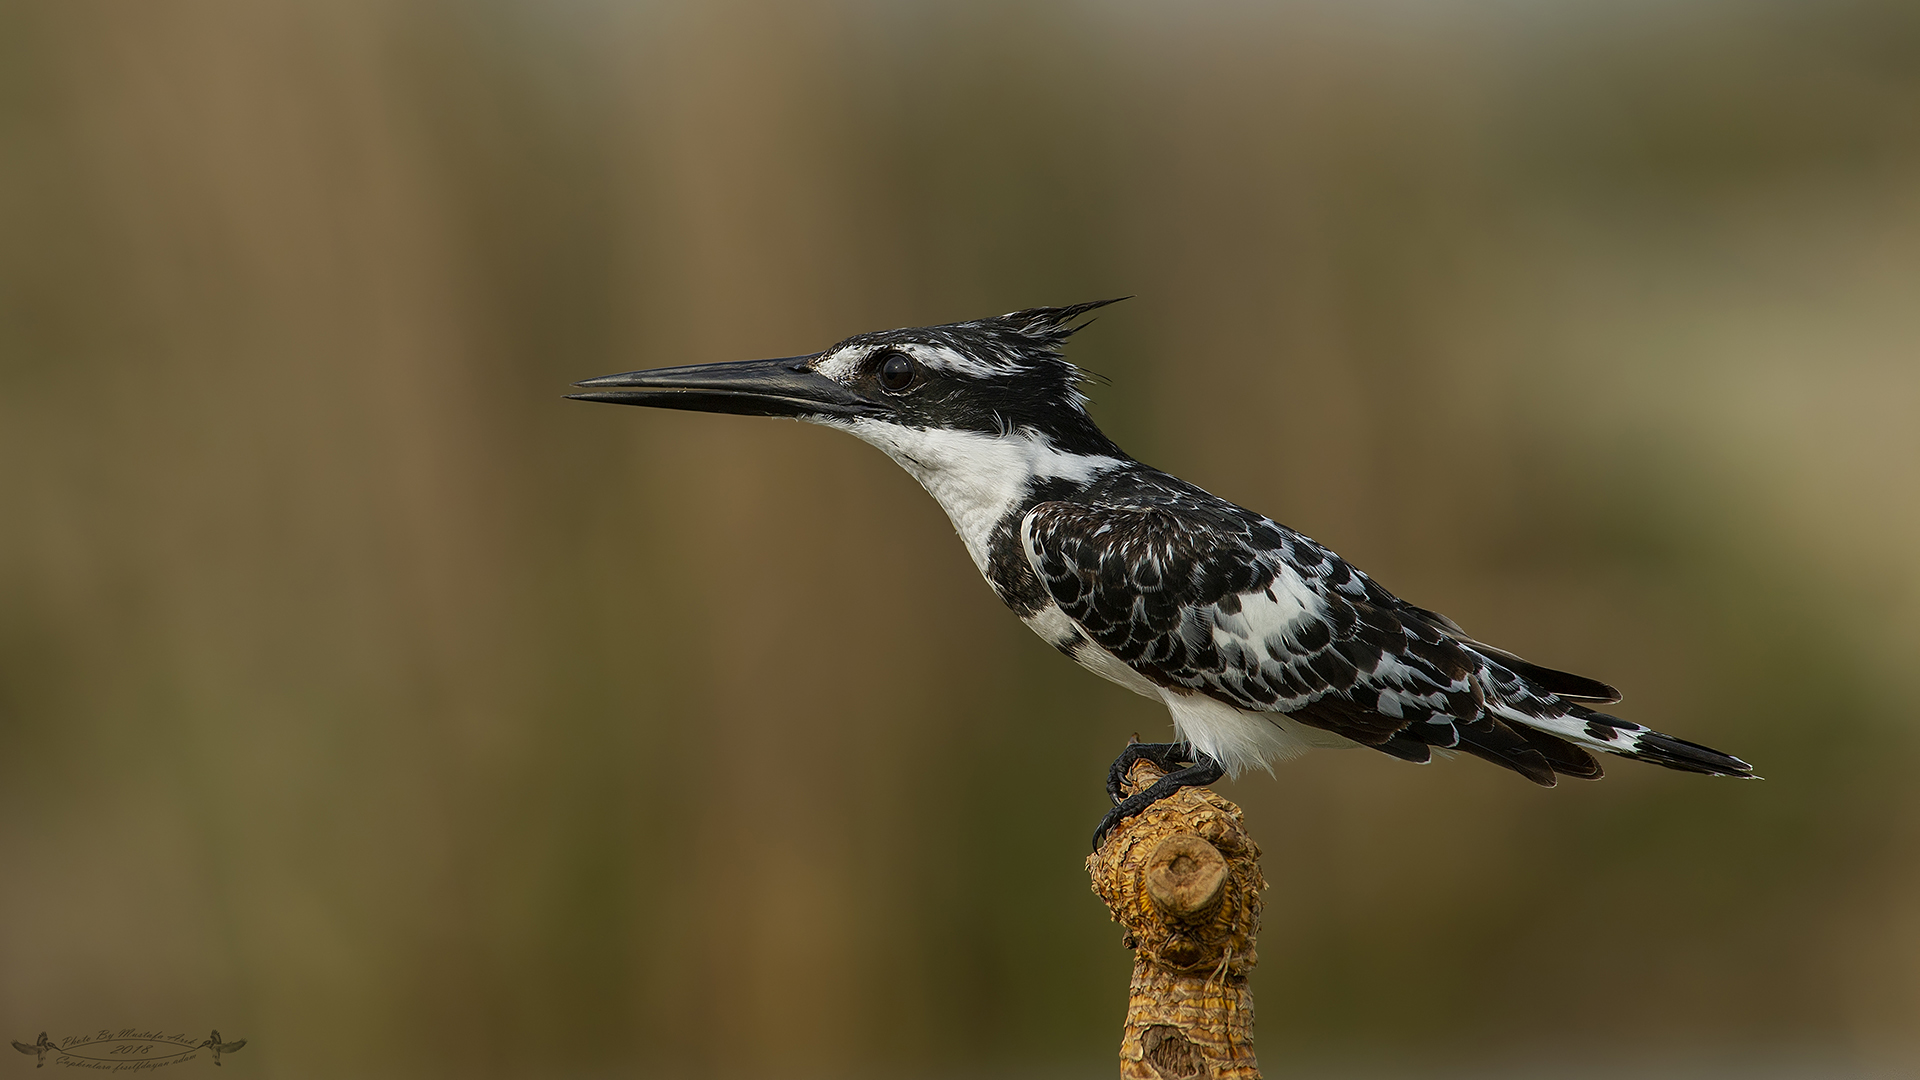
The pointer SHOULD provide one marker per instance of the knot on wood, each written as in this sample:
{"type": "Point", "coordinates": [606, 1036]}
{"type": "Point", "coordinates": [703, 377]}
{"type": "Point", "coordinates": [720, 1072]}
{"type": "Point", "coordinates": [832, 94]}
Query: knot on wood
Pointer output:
{"type": "Point", "coordinates": [1185, 876]}
{"type": "Point", "coordinates": [1170, 1052]}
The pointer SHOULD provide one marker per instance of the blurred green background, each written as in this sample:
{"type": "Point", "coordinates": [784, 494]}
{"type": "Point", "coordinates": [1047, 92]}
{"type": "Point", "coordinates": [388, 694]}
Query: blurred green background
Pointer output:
{"type": "Point", "coordinates": [365, 699]}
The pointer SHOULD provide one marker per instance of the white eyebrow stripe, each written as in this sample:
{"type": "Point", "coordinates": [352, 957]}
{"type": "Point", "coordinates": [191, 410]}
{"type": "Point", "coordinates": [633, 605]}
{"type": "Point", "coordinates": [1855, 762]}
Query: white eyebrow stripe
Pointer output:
{"type": "Point", "coordinates": [844, 365]}
{"type": "Point", "coordinates": [953, 361]}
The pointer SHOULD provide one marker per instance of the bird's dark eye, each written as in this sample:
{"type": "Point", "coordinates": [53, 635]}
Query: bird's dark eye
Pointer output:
{"type": "Point", "coordinates": [897, 371]}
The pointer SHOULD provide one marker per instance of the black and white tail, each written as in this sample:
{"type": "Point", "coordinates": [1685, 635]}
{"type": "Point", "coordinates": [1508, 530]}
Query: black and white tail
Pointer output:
{"type": "Point", "coordinates": [1547, 726]}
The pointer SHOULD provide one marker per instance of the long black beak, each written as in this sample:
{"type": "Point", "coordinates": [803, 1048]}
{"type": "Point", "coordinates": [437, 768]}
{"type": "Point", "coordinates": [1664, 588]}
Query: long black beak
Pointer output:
{"type": "Point", "coordinates": [787, 386]}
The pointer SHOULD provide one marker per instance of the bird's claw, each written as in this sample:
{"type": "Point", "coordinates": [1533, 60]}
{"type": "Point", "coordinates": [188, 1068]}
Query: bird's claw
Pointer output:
{"type": "Point", "coordinates": [1166, 755]}
{"type": "Point", "coordinates": [1203, 771]}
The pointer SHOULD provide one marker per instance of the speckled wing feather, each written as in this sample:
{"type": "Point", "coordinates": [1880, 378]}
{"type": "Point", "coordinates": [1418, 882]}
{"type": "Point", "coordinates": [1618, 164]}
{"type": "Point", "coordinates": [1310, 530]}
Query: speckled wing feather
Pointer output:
{"type": "Point", "coordinates": [1200, 595]}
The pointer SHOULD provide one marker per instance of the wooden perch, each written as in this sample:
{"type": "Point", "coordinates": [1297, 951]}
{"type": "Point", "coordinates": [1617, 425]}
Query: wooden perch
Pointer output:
{"type": "Point", "coordinates": [1184, 878]}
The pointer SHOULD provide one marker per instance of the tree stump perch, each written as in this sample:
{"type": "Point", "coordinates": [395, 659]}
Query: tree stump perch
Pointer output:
{"type": "Point", "coordinates": [1183, 877]}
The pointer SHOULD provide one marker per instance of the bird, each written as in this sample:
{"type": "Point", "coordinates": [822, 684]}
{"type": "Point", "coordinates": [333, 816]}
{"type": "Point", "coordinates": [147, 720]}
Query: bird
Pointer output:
{"type": "Point", "coordinates": [219, 1047]}
{"type": "Point", "coordinates": [1261, 642]}
{"type": "Point", "coordinates": [37, 1048]}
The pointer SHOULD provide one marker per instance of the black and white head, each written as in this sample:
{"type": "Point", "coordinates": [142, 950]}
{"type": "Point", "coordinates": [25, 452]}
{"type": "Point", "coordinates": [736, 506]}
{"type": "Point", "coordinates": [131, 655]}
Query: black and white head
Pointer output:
{"type": "Point", "coordinates": [987, 415]}
{"type": "Point", "coordinates": [988, 379]}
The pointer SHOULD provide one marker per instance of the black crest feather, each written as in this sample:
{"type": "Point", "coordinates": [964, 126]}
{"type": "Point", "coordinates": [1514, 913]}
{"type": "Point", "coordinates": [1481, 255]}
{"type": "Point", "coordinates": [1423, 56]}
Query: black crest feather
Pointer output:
{"type": "Point", "coordinates": [1054, 323]}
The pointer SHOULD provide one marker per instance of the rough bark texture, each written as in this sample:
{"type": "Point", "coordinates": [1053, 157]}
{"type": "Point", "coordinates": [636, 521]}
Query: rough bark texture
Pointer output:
{"type": "Point", "coordinates": [1184, 879]}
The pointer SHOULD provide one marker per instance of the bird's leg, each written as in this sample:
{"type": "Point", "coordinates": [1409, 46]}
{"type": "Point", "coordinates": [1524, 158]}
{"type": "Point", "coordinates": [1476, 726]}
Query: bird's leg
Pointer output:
{"type": "Point", "coordinates": [1202, 772]}
{"type": "Point", "coordinates": [1164, 754]}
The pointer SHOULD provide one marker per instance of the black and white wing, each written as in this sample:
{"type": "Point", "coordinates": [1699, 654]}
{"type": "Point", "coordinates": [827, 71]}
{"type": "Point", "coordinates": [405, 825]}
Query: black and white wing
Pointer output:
{"type": "Point", "coordinates": [1203, 596]}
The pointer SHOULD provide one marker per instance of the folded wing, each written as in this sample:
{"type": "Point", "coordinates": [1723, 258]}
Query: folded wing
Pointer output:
{"type": "Point", "coordinates": [1209, 598]}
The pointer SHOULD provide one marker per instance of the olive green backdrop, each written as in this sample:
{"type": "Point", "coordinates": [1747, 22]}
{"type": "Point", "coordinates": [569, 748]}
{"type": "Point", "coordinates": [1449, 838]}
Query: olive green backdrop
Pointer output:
{"type": "Point", "coordinates": [361, 697]}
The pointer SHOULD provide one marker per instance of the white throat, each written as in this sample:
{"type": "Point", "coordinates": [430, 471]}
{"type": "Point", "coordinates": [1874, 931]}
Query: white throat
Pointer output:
{"type": "Point", "coordinates": [977, 478]}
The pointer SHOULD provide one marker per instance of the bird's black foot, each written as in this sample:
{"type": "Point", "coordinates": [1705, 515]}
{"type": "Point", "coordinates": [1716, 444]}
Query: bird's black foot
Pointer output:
{"type": "Point", "coordinates": [1202, 772]}
{"type": "Point", "coordinates": [1169, 756]}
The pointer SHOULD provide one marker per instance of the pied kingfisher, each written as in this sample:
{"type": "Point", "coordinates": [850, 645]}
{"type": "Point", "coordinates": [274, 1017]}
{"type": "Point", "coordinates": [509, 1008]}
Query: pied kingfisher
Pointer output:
{"type": "Point", "coordinates": [1261, 642]}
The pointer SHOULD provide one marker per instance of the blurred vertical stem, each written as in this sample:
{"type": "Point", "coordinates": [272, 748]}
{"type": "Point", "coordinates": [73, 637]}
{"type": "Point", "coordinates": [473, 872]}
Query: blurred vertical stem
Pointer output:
{"type": "Point", "coordinates": [1184, 879]}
